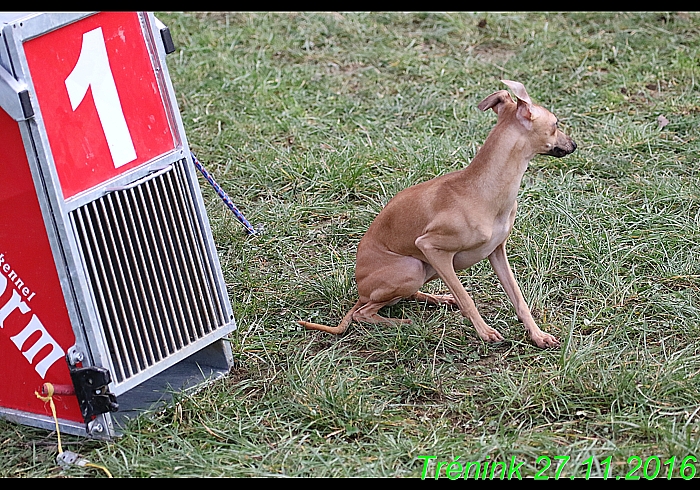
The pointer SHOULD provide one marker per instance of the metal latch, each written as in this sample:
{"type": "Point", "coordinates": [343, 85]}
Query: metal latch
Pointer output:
{"type": "Point", "coordinates": [91, 389]}
{"type": "Point", "coordinates": [166, 37]}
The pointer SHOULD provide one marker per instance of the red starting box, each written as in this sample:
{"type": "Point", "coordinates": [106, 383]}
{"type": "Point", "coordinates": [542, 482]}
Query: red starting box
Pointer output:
{"type": "Point", "coordinates": [110, 286]}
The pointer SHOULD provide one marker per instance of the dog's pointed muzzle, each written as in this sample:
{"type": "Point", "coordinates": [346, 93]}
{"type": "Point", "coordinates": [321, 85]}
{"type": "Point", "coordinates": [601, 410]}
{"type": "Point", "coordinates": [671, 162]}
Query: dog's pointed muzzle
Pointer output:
{"type": "Point", "coordinates": [561, 151]}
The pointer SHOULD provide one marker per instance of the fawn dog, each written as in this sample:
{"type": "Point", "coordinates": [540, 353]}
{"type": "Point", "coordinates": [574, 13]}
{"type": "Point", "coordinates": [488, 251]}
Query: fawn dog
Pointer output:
{"type": "Point", "coordinates": [451, 222]}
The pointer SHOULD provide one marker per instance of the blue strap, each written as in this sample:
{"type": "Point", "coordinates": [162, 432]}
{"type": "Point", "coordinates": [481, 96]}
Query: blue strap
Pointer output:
{"type": "Point", "coordinates": [224, 197]}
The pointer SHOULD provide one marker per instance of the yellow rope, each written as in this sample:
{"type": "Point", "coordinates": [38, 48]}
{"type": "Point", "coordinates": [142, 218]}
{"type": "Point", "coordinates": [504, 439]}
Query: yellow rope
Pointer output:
{"type": "Point", "coordinates": [49, 398]}
{"type": "Point", "coordinates": [93, 465]}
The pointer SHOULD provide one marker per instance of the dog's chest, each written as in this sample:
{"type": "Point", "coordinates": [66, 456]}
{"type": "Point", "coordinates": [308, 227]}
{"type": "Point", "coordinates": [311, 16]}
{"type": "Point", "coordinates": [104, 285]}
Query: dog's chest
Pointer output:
{"type": "Point", "coordinates": [484, 243]}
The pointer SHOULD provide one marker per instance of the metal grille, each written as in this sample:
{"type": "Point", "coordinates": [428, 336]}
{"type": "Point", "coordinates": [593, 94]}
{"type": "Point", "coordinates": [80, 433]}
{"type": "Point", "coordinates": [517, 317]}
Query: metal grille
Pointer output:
{"type": "Point", "coordinates": [151, 280]}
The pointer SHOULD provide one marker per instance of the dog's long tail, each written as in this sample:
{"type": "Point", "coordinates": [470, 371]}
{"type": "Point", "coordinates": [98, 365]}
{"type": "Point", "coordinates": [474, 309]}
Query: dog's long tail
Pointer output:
{"type": "Point", "coordinates": [342, 326]}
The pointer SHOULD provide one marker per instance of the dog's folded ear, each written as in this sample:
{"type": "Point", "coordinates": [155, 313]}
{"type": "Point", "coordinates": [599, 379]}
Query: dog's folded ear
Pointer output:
{"type": "Point", "coordinates": [495, 101]}
{"type": "Point", "coordinates": [524, 112]}
{"type": "Point", "coordinates": [500, 99]}
{"type": "Point", "coordinates": [519, 90]}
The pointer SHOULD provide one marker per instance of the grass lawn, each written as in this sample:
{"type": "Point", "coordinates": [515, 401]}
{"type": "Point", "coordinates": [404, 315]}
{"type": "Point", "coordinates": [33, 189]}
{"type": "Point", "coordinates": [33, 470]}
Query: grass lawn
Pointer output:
{"type": "Point", "coordinates": [312, 122]}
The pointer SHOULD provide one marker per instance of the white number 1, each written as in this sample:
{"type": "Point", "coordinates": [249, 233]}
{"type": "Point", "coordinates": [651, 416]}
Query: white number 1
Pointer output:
{"type": "Point", "coordinates": [92, 70]}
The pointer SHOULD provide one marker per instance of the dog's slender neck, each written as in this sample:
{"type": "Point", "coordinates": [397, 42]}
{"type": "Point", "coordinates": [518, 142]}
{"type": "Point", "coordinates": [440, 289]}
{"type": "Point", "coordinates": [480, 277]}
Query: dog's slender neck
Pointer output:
{"type": "Point", "coordinates": [498, 167]}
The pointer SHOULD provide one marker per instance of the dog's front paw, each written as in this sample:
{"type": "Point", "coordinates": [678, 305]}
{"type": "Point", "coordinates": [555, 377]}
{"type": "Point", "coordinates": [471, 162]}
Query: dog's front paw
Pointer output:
{"type": "Point", "coordinates": [491, 335]}
{"type": "Point", "coordinates": [545, 340]}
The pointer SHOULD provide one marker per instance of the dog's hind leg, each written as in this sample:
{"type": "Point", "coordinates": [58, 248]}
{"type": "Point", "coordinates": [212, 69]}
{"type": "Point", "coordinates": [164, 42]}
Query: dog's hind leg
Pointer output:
{"type": "Point", "coordinates": [434, 299]}
{"type": "Point", "coordinates": [368, 313]}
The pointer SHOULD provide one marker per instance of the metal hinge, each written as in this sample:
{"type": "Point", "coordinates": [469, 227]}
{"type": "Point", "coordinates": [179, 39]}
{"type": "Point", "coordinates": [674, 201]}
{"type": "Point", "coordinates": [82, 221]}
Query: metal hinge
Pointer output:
{"type": "Point", "coordinates": [14, 97]}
